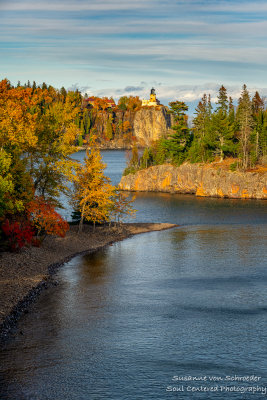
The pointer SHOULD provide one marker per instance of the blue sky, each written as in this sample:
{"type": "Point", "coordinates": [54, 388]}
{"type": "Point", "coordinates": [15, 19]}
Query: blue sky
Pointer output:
{"type": "Point", "coordinates": [111, 48]}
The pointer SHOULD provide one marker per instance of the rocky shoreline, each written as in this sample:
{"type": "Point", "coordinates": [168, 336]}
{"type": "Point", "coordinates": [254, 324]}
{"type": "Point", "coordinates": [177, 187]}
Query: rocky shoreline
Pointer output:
{"type": "Point", "coordinates": [204, 180]}
{"type": "Point", "coordinates": [24, 275]}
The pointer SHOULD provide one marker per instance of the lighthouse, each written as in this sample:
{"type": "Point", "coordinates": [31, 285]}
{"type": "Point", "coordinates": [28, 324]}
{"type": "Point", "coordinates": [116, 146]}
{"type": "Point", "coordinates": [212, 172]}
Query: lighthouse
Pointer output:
{"type": "Point", "coordinates": [153, 101]}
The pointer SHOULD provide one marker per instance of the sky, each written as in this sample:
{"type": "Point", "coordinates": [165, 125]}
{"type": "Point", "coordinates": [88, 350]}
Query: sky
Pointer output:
{"type": "Point", "coordinates": [183, 48]}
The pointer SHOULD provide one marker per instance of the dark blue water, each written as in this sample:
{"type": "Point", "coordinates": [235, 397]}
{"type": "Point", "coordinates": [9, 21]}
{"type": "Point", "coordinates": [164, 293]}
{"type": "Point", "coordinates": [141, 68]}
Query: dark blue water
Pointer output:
{"type": "Point", "coordinates": [174, 314]}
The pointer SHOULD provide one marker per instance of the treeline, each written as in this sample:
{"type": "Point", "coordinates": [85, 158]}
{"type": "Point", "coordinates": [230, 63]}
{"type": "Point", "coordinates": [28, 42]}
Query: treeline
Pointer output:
{"type": "Point", "coordinates": [102, 117]}
{"type": "Point", "coordinates": [217, 132]}
{"type": "Point", "coordinates": [39, 127]}
{"type": "Point", "coordinates": [107, 120]}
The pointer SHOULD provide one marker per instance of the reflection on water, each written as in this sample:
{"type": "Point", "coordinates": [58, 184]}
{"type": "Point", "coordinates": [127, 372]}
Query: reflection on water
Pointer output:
{"type": "Point", "coordinates": [125, 320]}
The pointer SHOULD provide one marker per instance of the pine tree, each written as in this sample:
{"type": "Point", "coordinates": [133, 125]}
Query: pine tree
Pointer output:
{"type": "Point", "coordinates": [246, 123]}
{"type": "Point", "coordinates": [222, 129]}
{"type": "Point", "coordinates": [200, 150]}
{"type": "Point", "coordinates": [257, 134]}
{"type": "Point", "coordinates": [222, 100]}
{"type": "Point", "coordinates": [63, 93]}
{"type": "Point", "coordinates": [177, 144]}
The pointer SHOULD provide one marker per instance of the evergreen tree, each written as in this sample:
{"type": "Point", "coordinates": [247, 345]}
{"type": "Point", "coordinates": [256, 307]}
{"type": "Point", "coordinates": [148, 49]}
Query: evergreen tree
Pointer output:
{"type": "Point", "coordinates": [63, 93]}
{"type": "Point", "coordinates": [109, 131]}
{"type": "Point", "coordinates": [257, 134]}
{"type": "Point", "coordinates": [222, 100]}
{"type": "Point", "coordinates": [223, 134]}
{"type": "Point", "coordinates": [246, 123]}
{"type": "Point", "coordinates": [145, 158]}
{"type": "Point", "coordinates": [177, 144]}
{"type": "Point", "coordinates": [200, 150]}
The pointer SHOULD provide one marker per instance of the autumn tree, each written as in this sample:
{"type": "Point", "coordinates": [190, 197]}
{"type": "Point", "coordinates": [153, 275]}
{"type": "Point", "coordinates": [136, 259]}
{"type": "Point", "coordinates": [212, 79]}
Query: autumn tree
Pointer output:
{"type": "Point", "coordinates": [18, 121]}
{"type": "Point", "coordinates": [131, 103]}
{"type": "Point", "coordinates": [121, 206]}
{"type": "Point", "coordinates": [92, 189]}
{"type": "Point", "coordinates": [57, 131]}
{"type": "Point", "coordinates": [126, 127]}
{"type": "Point", "coordinates": [45, 219]}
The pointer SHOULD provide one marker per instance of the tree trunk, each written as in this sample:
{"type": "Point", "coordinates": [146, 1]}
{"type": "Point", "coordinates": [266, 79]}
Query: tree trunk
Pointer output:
{"type": "Point", "coordinates": [81, 220]}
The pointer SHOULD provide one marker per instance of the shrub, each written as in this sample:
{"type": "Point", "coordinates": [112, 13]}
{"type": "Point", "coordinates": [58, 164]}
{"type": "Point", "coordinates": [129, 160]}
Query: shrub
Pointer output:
{"type": "Point", "coordinates": [233, 166]}
{"type": "Point", "coordinates": [45, 219]}
{"type": "Point", "coordinates": [17, 233]}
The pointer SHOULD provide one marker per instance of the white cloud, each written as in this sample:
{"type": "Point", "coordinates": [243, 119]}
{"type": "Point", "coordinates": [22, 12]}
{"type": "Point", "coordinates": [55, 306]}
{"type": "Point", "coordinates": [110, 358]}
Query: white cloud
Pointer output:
{"type": "Point", "coordinates": [92, 5]}
{"type": "Point", "coordinates": [186, 93]}
{"type": "Point", "coordinates": [107, 5]}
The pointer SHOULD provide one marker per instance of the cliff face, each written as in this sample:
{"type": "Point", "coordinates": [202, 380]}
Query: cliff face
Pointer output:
{"type": "Point", "coordinates": [202, 180]}
{"type": "Point", "coordinates": [146, 125]}
{"type": "Point", "coordinates": [150, 124]}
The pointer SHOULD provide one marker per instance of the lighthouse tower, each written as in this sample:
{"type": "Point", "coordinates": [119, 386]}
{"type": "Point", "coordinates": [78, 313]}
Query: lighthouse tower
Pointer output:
{"type": "Point", "coordinates": [153, 101]}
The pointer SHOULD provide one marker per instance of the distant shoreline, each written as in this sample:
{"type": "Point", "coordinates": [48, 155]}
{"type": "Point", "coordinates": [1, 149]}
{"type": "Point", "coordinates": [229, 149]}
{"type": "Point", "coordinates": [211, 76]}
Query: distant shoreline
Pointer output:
{"type": "Point", "coordinates": [24, 275]}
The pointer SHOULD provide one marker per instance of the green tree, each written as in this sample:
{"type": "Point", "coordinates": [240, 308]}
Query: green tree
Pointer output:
{"type": "Point", "coordinates": [223, 103]}
{"type": "Point", "coordinates": [257, 135]}
{"type": "Point", "coordinates": [201, 149]}
{"type": "Point", "coordinates": [122, 103]}
{"type": "Point", "coordinates": [223, 134]}
{"type": "Point", "coordinates": [146, 157]}
{"type": "Point", "coordinates": [246, 124]}
{"type": "Point", "coordinates": [109, 130]}
{"type": "Point", "coordinates": [177, 143]}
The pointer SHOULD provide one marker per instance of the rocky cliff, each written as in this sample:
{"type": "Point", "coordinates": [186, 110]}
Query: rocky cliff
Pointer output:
{"type": "Point", "coordinates": [144, 126]}
{"type": "Point", "coordinates": [151, 123]}
{"type": "Point", "coordinates": [202, 180]}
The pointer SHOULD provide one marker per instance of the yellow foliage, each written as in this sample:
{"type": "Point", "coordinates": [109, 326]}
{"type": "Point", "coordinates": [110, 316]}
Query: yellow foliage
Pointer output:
{"type": "Point", "coordinates": [93, 191]}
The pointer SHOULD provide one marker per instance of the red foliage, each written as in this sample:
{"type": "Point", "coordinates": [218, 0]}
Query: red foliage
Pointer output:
{"type": "Point", "coordinates": [18, 233]}
{"type": "Point", "coordinates": [46, 219]}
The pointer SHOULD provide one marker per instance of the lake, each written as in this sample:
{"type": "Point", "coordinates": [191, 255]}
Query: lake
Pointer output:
{"type": "Point", "coordinates": [164, 315]}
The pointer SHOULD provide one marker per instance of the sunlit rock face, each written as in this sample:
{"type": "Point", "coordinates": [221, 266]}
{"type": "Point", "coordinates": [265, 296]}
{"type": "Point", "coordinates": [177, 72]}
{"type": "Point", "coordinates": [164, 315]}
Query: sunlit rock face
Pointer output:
{"type": "Point", "coordinates": [151, 123]}
{"type": "Point", "coordinates": [202, 180]}
{"type": "Point", "coordinates": [147, 125]}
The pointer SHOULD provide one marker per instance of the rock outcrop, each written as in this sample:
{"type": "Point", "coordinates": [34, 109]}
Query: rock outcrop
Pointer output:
{"type": "Point", "coordinates": [201, 180]}
{"type": "Point", "coordinates": [151, 123]}
{"type": "Point", "coordinates": [146, 125]}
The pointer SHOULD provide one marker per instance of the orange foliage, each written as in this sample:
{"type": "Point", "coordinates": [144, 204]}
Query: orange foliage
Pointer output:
{"type": "Point", "coordinates": [45, 219]}
{"type": "Point", "coordinates": [126, 127]}
{"type": "Point", "coordinates": [18, 116]}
